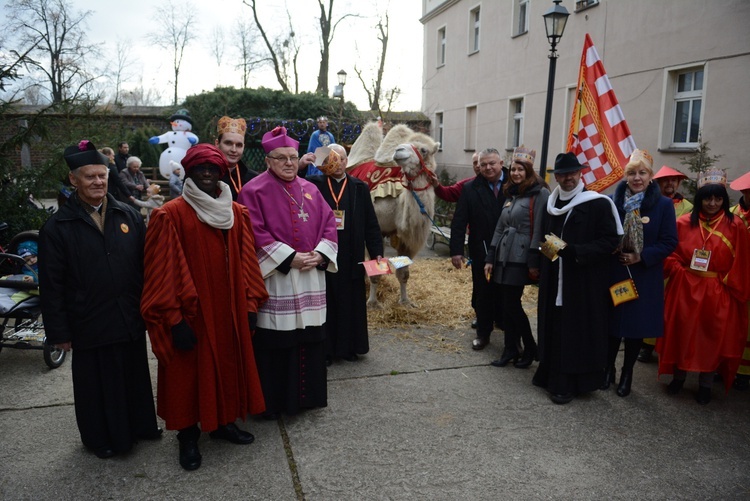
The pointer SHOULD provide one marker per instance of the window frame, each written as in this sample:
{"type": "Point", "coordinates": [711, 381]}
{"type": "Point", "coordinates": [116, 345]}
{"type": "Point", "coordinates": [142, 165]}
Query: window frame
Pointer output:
{"type": "Point", "coordinates": [442, 45]}
{"type": "Point", "coordinates": [470, 129]}
{"type": "Point", "coordinates": [516, 17]}
{"type": "Point", "coordinates": [439, 128]}
{"type": "Point", "coordinates": [515, 118]}
{"type": "Point", "coordinates": [671, 97]}
{"type": "Point", "coordinates": [475, 28]}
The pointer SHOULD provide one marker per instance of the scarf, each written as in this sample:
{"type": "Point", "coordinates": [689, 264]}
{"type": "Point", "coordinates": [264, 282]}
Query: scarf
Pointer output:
{"type": "Point", "coordinates": [577, 197]}
{"type": "Point", "coordinates": [215, 212]}
{"type": "Point", "coordinates": [632, 239]}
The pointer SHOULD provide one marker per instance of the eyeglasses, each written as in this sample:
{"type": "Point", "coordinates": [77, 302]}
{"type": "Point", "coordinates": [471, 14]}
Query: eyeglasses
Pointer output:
{"type": "Point", "coordinates": [284, 160]}
{"type": "Point", "coordinates": [488, 164]}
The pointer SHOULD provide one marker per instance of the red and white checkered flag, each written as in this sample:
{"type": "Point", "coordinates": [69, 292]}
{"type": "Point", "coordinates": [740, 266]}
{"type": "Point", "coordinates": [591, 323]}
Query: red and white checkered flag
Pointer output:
{"type": "Point", "coordinates": [598, 133]}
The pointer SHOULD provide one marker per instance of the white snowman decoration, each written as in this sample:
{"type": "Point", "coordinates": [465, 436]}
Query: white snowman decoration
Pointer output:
{"type": "Point", "coordinates": [178, 140]}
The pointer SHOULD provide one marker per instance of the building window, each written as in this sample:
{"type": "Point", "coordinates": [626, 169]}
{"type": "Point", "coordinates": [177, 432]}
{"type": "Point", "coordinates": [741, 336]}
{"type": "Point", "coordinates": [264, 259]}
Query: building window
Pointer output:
{"type": "Point", "coordinates": [441, 46]}
{"type": "Point", "coordinates": [474, 30]}
{"type": "Point", "coordinates": [515, 125]}
{"type": "Point", "coordinates": [471, 129]}
{"type": "Point", "coordinates": [521, 16]}
{"type": "Point", "coordinates": [585, 4]}
{"type": "Point", "coordinates": [688, 100]}
{"type": "Point", "coordinates": [439, 129]}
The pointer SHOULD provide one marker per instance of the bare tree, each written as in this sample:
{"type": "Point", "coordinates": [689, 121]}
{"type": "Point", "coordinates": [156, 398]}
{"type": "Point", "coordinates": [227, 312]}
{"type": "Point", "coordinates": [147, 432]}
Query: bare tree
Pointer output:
{"type": "Point", "coordinates": [177, 24]}
{"type": "Point", "coordinates": [217, 47]}
{"type": "Point", "coordinates": [121, 64]}
{"type": "Point", "coordinates": [141, 96]}
{"type": "Point", "coordinates": [374, 93]}
{"type": "Point", "coordinates": [245, 33]}
{"type": "Point", "coordinates": [274, 59]}
{"type": "Point", "coordinates": [327, 31]}
{"type": "Point", "coordinates": [57, 34]}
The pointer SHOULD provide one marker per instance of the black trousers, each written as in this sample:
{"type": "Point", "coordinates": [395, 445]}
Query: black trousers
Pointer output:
{"type": "Point", "coordinates": [488, 301]}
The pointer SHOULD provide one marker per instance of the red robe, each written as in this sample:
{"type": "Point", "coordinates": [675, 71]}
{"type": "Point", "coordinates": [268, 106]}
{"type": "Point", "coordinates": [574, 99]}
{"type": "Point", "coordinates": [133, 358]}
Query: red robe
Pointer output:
{"type": "Point", "coordinates": [705, 313]}
{"type": "Point", "coordinates": [210, 278]}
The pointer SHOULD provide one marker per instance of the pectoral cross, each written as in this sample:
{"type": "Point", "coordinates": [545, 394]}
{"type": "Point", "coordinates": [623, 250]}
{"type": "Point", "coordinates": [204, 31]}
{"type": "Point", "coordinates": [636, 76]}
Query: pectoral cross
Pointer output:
{"type": "Point", "coordinates": [303, 215]}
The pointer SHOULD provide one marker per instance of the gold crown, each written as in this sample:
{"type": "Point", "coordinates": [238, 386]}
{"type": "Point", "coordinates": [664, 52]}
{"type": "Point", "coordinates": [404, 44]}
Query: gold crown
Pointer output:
{"type": "Point", "coordinates": [712, 176]}
{"type": "Point", "coordinates": [236, 125]}
{"type": "Point", "coordinates": [641, 156]}
{"type": "Point", "coordinates": [524, 155]}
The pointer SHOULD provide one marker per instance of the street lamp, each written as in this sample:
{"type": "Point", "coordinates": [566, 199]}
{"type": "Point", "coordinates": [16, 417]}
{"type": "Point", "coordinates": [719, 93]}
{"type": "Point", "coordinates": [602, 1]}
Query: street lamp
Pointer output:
{"type": "Point", "coordinates": [554, 23]}
{"type": "Point", "coordinates": [338, 91]}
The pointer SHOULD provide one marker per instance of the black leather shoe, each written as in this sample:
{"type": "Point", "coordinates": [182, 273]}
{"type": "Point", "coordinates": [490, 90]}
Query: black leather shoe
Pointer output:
{"type": "Point", "coordinates": [626, 380]}
{"type": "Point", "coordinates": [271, 416]}
{"type": "Point", "coordinates": [474, 323]}
{"type": "Point", "coordinates": [352, 358]}
{"type": "Point", "coordinates": [231, 433]}
{"type": "Point", "coordinates": [480, 343]}
{"type": "Point", "coordinates": [741, 382]}
{"type": "Point", "coordinates": [704, 395]}
{"type": "Point", "coordinates": [104, 452]}
{"type": "Point", "coordinates": [646, 354]}
{"type": "Point", "coordinates": [561, 398]}
{"type": "Point", "coordinates": [675, 386]}
{"type": "Point", "coordinates": [609, 378]}
{"type": "Point", "coordinates": [190, 456]}
{"type": "Point", "coordinates": [505, 358]}
{"type": "Point", "coordinates": [528, 357]}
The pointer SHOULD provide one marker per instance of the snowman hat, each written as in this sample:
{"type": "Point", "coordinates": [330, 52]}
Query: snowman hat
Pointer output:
{"type": "Point", "coordinates": [181, 115]}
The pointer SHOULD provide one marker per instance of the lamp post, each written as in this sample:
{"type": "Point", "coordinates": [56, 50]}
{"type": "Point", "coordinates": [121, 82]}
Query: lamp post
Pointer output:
{"type": "Point", "coordinates": [339, 90]}
{"type": "Point", "coordinates": [554, 23]}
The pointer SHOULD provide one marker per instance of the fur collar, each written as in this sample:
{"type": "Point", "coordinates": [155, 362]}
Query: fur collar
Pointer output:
{"type": "Point", "coordinates": [650, 199]}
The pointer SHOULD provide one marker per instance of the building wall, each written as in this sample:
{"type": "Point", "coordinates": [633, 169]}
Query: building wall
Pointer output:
{"type": "Point", "coordinates": [639, 41]}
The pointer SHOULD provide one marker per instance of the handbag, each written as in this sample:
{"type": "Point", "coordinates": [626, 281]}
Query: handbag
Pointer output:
{"type": "Point", "coordinates": [624, 291]}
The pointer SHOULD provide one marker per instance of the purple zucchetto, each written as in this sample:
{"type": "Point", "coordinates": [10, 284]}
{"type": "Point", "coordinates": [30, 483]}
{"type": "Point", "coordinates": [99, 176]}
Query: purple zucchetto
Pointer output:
{"type": "Point", "coordinates": [277, 138]}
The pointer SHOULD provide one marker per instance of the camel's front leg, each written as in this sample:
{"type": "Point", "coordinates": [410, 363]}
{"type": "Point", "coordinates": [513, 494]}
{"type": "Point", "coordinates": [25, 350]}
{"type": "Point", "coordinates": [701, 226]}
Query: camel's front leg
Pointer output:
{"type": "Point", "coordinates": [372, 301]}
{"type": "Point", "coordinates": [403, 276]}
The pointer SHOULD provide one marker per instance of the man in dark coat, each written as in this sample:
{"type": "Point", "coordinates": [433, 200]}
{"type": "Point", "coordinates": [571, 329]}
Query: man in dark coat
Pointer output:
{"type": "Point", "coordinates": [123, 153]}
{"type": "Point", "coordinates": [479, 207]}
{"type": "Point", "coordinates": [573, 312]}
{"type": "Point", "coordinates": [357, 228]}
{"type": "Point", "coordinates": [91, 277]}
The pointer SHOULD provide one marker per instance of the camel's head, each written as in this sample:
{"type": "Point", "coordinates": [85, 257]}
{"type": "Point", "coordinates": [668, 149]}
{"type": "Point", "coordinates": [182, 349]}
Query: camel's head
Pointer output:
{"type": "Point", "coordinates": [417, 154]}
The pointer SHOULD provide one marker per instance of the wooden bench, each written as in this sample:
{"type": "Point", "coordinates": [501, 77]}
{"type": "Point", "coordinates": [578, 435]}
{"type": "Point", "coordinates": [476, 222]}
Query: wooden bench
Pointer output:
{"type": "Point", "coordinates": [442, 233]}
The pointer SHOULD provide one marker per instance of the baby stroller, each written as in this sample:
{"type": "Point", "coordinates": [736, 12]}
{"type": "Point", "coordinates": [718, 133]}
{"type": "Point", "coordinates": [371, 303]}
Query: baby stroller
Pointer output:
{"type": "Point", "coordinates": [20, 309]}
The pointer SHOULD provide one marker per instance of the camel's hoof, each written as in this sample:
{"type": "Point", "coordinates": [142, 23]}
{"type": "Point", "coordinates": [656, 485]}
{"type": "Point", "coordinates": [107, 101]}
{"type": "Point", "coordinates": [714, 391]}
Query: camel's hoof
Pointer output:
{"type": "Point", "coordinates": [408, 304]}
{"type": "Point", "coordinates": [374, 305]}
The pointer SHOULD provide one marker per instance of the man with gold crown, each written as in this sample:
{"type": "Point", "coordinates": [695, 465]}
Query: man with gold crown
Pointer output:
{"type": "Point", "coordinates": [742, 211]}
{"type": "Point", "coordinates": [296, 242]}
{"type": "Point", "coordinates": [231, 142]}
{"type": "Point", "coordinates": [357, 227]}
{"type": "Point", "coordinates": [705, 309]}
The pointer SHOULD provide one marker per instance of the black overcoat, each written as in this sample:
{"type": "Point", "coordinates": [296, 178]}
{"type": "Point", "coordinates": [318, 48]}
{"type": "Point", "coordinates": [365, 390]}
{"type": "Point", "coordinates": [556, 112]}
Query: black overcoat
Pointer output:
{"type": "Point", "coordinates": [592, 232]}
{"type": "Point", "coordinates": [346, 318]}
{"type": "Point", "coordinates": [90, 283]}
{"type": "Point", "coordinates": [478, 208]}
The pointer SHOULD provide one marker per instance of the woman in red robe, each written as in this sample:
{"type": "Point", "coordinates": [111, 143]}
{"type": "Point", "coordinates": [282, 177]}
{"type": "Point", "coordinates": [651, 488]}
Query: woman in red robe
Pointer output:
{"type": "Point", "coordinates": [705, 312]}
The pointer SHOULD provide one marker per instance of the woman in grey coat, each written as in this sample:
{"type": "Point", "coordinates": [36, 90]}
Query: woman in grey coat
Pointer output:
{"type": "Point", "coordinates": [513, 257]}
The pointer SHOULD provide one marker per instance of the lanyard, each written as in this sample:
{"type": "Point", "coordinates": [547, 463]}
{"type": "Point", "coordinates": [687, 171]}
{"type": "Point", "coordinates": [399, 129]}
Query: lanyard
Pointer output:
{"type": "Point", "coordinates": [707, 224]}
{"type": "Point", "coordinates": [341, 193]}
{"type": "Point", "coordinates": [237, 185]}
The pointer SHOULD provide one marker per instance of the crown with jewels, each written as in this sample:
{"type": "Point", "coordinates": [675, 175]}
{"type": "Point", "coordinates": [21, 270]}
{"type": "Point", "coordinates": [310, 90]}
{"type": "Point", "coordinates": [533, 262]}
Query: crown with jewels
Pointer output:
{"type": "Point", "coordinates": [712, 176]}
{"type": "Point", "coordinates": [236, 125]}
{"type": "Point", "coordinates": [642, 157]}
{"type": "Point", "coordinates": [524, 155]}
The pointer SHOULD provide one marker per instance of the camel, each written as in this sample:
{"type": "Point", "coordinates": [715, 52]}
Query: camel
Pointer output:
{"type": "Point", "coordinates": [399, 173]}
